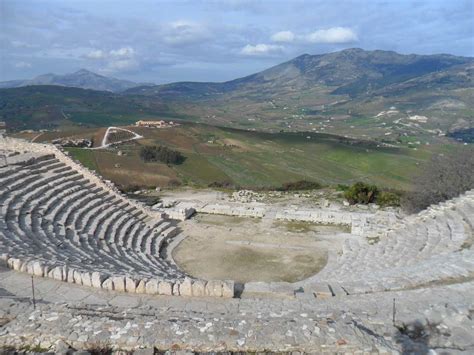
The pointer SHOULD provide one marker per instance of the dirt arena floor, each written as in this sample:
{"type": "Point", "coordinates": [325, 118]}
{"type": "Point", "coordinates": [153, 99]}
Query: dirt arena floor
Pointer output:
{"type": "Point", "coordinates": [253, 249]}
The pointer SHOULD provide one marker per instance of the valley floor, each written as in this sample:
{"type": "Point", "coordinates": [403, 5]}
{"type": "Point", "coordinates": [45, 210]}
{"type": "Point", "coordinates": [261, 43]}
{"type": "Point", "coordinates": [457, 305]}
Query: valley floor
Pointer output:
{"type": "Point", "coordinates": [232, 157]}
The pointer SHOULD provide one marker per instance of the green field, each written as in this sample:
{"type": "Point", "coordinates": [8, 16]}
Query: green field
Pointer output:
{"type": "Point", "coordinates": [254, 159]}
{"type": "Point", "coordinates": [85, 156]}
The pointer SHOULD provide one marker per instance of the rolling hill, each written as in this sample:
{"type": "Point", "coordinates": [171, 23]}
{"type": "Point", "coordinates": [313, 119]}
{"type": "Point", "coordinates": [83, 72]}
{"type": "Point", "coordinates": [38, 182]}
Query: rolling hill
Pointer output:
{"type": "Point", "coordinates": [349, 88]}
{"type": "Point", "coordinates": [377, 94]}
{"type": "Point", "coordinates": [50, 106]}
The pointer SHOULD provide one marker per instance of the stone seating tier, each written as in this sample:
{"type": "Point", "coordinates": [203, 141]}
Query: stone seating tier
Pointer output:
{"type": "Point", "coordinates": [57, 223]}
{"type": "Point", "coordinates": [433, 247]}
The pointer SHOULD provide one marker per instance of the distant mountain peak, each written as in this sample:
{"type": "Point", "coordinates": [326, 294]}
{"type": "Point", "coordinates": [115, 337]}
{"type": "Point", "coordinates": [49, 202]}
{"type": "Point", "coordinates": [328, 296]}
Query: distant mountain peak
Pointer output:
{"type": "Point", "coordinates": [352, 71]}
{"type": "Point", "coordinates": [85, 71]}
{"type": "Point", "coordinates": [82, 78]}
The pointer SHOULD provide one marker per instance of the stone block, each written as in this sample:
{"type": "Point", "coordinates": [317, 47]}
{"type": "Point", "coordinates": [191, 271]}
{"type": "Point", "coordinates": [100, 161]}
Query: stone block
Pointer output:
{"type": "Point", "coordinates": [141, 287]}
{"type": "Point", "coordinates": [70, 275]}
{"type": "Point", "coordinates": [46, 270]}
{"type": "Point", "coordinates": [151, 287]}
{"type": "Point", "coordinates": [130, 285]}
{"type": "Point", "coordinates": [77, 277]}
{"type": "Point", "coordinates": [108, 284]}
{"type": "Point", "coordinates": [176, 287]}
{"type": "Point", "coordinates": [86, 279]}
{"type": "Point", "coordinates": [38, 269]}
{"type": "Point", "coordinates": [199, 288]}
{"type": "Point", "coordinates": [97, 278]}
{"type": "Point", "coordinates": [29, 267]}
{"type": "Point", "coordinates": [64, 275]}
{"type": "Point", "coordinates": [56, 273]}
{"type": "Point", "coordinates": [185, 288]}
{"type": "Point", "coordinates": [214, 288]}
{"type": "Point", "coordinates": [165, 288]}
{"type": "Point", "coordinates": [228, 289]}
{"type": "Point", "coordinates": [24, 266]}
{"type": "Point", "coordinates": [119, 283]}
{"type": "Point", "coordinates": [14, 264]}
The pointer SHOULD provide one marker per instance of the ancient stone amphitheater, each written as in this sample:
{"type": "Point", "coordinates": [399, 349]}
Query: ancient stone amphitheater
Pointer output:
{"type": "Point", "coordinates": [103, 278]}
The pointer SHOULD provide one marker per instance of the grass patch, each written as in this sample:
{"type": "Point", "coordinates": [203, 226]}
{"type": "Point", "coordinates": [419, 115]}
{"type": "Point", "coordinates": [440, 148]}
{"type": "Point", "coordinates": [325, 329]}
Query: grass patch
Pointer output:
{"type": "Point", "coordinates": [85, 156]}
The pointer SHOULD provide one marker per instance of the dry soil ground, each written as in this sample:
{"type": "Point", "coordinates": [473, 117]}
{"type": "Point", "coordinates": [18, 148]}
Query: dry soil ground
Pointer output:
{"type": "Point", "coordinates": [248, 249]}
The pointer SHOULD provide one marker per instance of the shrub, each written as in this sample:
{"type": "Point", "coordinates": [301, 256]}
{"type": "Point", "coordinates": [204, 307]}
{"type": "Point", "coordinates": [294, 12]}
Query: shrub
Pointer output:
{"type": "Point", "coordinates": [341, 187]}
{"type": "Point", "coordinates": [361, 193]}
{"type": "Point", "coordinates": [387, 198]}
{"type": "Point", "coordinates": [161, 154]}
{"type": "Point", "coordinates": [300, 185]}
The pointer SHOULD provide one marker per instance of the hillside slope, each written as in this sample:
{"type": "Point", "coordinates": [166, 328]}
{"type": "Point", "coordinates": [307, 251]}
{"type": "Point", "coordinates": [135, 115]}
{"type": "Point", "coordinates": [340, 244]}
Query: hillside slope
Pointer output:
{"type": "Point", "coordinates": [376, 94]}
{"type": "Point", "coordinates": [50, 106]}
{"type": "Point", "coordinates": [353, 71]}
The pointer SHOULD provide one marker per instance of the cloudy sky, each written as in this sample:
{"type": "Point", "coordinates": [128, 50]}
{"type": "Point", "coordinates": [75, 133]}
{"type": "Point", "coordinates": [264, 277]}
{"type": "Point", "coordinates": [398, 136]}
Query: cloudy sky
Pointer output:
{"type": "Point", "coordinates": [165, 41]}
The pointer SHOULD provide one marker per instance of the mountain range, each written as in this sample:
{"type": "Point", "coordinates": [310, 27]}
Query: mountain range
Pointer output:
{"type": "Point", "coordinates": [351, 71]}
{"type": "Point", "coordinates": [350, 92]}
{"type": "Point", "coordinates": [82, 78]}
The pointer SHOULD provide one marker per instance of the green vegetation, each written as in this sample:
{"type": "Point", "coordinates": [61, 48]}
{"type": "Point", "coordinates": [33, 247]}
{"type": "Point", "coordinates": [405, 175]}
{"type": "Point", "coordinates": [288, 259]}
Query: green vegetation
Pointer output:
{"type": "Point", "coordinates": [161, 154]}
{"type": "Point", "coordinates": [361, 193]}
{"type": "Point", "coordinates": [366, 193]}
{"type": "Point", "coordinates": [236, 158]}
{"type": "Point", "coordinates": [300, 185]}
{"type": "Point", "coordinates": [388, 198]}
{"type": "Point", "coordinates": [85, 156]}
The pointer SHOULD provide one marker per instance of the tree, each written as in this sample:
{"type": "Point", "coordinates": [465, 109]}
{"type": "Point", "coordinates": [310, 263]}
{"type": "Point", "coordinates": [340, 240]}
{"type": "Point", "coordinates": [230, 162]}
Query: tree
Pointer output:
{"type": "Point", "coordinates": [161, 154]}
{"type": "Point", "coordinates": [444, 177]}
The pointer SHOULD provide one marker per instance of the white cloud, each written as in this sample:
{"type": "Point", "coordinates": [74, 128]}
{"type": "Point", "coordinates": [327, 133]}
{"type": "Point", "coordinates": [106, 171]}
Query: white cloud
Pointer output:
{"type": "Point", "coordinates": [260, 49]}
{"type": "Point", "coordinates": [121, 65]}
{"type": "Point", "coordinates": [114, 60]}
{"type": "Point", "coordinates": [96, 54]}
{"type": "Point", "coordinates": [120, 53]}
{"type": "Point", "coordinates": [22, 65]}
{"type": "Point", "coordinates": [124, 52]}
{"type": "Point", "coordinates": [332, 35]}
{"type": "Point", "coordinates": [185, 32]}
{"type": "Point", "coordinates": [283, 36]}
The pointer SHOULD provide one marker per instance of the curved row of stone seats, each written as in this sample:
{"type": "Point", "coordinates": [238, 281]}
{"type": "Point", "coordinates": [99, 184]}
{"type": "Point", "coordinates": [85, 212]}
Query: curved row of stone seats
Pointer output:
{"type": "Point", "coordinates": [454, 267]}
{"type": "Point", "coordinates": [13, 226]}
{"type": "Point", "coordinates": [432, 246]}
{"type": "Point", "coordinates": [123, 283]}
{"type": "Point", "coordinates": [58, 196]}
{"type": "Point", "coordinates": [19, 148]}
{"type": "Point", "coordinates": [56, 223]}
